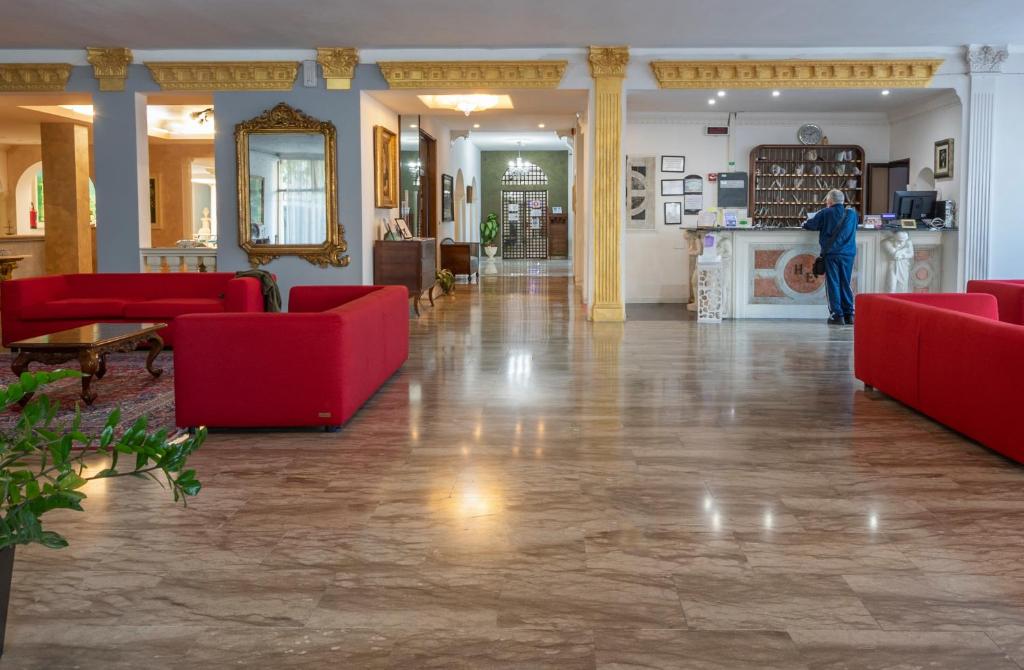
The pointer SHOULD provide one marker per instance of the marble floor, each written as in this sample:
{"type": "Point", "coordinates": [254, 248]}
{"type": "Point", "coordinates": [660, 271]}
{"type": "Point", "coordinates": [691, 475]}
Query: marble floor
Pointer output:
{"type": "Point", "coordinates": [536, 491]}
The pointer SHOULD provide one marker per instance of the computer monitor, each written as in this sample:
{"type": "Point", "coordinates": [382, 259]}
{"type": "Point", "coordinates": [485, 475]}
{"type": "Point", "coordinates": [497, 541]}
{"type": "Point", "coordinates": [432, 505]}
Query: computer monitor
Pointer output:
{"type": "Point", "coordinates": [913, 204]}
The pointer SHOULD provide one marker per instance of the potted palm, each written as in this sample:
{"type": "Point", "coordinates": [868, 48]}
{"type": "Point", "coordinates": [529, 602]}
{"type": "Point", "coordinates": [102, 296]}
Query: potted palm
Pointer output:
{"type": "Point", "coordinates": [489, 234]}
{"type": "Point", "coordinates": [45, 465]}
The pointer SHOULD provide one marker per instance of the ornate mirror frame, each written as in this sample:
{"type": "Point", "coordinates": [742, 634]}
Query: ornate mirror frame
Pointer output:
{"type": "Point", "coordinates": [283, 118]}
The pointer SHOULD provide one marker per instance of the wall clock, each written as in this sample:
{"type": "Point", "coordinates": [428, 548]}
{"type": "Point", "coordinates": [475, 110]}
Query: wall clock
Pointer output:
{"type": "Point", "coordinates": [809, 134]}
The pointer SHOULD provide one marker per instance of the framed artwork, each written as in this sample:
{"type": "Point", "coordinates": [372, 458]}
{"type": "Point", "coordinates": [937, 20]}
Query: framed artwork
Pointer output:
{"type": "Point", "coordinates": [673, 163]}
{"type": "Point", "coordinates": [447, 190]}
{"type": "Point", "coordinates": [403, 229]}
{"type": "Point", "coordinates": [154, 202]}
{"type": "Point", "coordinates": [673, 213]}
{"type": "Point", "coordinates": [693, 183]}
{"type": "Point", "coordinates": [256, 200]}
{"type": "Point", "coordinates": [943, 168]}
{"type": "Point", "coordinates": [385, 168]}
{"type": "Point", "coordinates": [640, 192]}
{"type": "Point", "coordinates": [673, 186]}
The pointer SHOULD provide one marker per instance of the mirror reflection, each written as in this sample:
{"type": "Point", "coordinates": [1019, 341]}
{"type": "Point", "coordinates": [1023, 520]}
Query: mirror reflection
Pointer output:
{"type": "Point", "coordinates": [410, 170]}
{"type": "Point", "coordinates": [287, 188]}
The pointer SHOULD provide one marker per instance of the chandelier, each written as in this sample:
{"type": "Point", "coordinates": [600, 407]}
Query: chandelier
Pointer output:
{"type": "Point", "coordinates": [519, 166]}
{"type": "Point", "coordinates": [467, 103]}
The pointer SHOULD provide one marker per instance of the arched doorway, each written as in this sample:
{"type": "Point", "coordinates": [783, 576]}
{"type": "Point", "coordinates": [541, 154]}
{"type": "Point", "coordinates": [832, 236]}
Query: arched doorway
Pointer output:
{"type": "Point", "coordinates": [474, 214]}
{"type": "Point", "coordinates": [30, 202]}
{"type": "Point", "coordinates": [524, 213]}
{"type": "Point", "coordinates": [460, 207]}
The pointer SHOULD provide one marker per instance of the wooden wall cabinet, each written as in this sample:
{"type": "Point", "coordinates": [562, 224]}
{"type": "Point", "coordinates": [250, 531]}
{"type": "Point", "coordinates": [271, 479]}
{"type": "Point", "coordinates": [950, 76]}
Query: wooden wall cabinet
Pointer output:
{"type": "Point", "coordinates": [558, 234]}
{"type": "Point", "coordinates": [408, 263]}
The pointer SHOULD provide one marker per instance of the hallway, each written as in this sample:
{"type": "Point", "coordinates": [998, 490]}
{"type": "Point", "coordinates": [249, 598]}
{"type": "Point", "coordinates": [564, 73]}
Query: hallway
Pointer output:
{"type": "Point", "coordinates": [534, 490]}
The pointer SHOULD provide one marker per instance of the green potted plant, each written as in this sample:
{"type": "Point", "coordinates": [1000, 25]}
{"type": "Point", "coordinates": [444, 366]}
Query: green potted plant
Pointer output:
{"type": "Point", "coordinates": [446, 280]}
{"type": "Point", "coordinates": [489, 234]}
{"type": "Point", "coordinates": [43, 467]}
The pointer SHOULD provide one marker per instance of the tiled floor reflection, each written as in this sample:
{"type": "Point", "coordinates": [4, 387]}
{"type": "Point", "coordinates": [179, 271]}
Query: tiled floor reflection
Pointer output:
{"type": "Point", "coordinates": [535, 491]}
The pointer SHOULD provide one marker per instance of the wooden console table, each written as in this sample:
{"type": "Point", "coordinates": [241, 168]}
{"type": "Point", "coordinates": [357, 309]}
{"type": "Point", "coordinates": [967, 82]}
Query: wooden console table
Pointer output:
{"type": "Point", "coordinates": [408, 263]}
{"type": "Point", "coordinates": [8, 264]}
{"type": "Point", "coordinates": [461, 258]}
{"type": "Point", "coordinates": [89, 345]}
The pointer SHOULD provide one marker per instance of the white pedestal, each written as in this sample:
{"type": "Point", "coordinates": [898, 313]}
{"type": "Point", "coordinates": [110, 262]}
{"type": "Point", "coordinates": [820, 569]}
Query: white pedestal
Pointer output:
{"type": "Point", "coordinates": [710, 290]}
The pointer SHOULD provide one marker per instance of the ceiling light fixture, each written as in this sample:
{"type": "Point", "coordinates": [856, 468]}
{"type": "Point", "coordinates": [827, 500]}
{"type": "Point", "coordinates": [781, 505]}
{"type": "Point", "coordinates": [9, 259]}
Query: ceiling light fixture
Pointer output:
{"type": "Point", "coordinates": [540, 125]}
{"type": "Point", "coordinates": [413, 125]}
{"type": "Point", "coordinates": [885, 92]}
{"type": "Point", "coordinates": [84, 110]}
{"type": "Point", "coordinates": [467, 104]}
{"type": "Point", "coordinates": [476, 125]}
{"type": "Point", "coordinates": [519, 166]}
{"type": "Point", "coordinates": [776, 94]}
{"type": "Point", "coordinates": [711, 101]}
{"type": "Point", "coordinates": [721, 94]}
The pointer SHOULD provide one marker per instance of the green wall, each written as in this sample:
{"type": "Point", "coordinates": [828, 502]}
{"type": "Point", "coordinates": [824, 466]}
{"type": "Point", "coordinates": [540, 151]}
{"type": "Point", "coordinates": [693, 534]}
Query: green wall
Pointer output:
{"type": "Point", "coordinates": [493, 165]}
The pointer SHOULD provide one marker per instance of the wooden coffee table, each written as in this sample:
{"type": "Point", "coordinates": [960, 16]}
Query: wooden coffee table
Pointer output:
{"type": "Point", "coordinates": [90, 345]}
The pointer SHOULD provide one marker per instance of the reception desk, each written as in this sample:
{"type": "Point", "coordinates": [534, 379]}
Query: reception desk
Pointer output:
{"type": "Point", "coordinates": [767, 274]}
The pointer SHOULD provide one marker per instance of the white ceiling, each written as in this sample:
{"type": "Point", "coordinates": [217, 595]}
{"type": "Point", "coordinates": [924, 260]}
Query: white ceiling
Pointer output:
{"type": "Point", "coordinates": [524, 23]}
{"type": "Point", "coordinates": [509, 141]}
{"type": "Point", "coordinates": [790, 100]}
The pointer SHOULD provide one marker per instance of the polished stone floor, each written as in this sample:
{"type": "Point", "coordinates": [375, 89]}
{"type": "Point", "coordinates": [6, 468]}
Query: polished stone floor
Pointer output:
{"type": "Point", "coordinates": [536, 491]}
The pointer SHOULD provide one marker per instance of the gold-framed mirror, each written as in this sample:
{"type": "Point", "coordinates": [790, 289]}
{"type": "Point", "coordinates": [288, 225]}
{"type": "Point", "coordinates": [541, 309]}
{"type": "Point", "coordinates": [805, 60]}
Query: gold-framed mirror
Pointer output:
{"type": "Point", "coordinates": [287, 188]}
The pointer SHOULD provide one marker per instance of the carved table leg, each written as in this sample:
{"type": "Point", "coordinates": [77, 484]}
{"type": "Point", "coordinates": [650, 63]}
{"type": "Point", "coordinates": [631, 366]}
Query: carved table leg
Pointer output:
{"type": "Point", "coordinates": [18, 366]}
{"type": "Point", "coordinates": [430, 294]}
{"type": "Point", "coordinates": [103, 367]}
{"type": "Point", "coordinates": [416, 304]}
{"type": "Point", "coordinates": [156, 345]}
{"type": "Point", "coordinates": [89, 360]}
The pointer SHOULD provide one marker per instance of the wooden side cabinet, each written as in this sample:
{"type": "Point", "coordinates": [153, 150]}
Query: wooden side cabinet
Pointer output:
{"type": "Point", "coordinates": [558, 232]}
{"type": "Point", "coordinates": [461, 258]}
{"type": "Point", "coordinates": [408, 263]}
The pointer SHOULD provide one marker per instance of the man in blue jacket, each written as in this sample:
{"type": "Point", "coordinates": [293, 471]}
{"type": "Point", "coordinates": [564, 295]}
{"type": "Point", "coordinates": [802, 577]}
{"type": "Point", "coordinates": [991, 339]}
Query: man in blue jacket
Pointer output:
{"type": "Point", "coordinates": [839, 253]}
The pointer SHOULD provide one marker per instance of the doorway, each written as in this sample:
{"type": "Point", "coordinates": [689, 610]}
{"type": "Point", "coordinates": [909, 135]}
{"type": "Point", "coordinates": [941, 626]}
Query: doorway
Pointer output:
{"type": "Point", "coordinates": [884, 179]}
{"type": "Point", "coordinates": [428, 185]}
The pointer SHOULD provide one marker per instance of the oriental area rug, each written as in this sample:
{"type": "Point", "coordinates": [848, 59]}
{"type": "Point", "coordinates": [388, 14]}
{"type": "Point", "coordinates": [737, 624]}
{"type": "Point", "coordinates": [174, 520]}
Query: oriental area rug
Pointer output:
{"type": "Point", "coordinates": [126, 385]}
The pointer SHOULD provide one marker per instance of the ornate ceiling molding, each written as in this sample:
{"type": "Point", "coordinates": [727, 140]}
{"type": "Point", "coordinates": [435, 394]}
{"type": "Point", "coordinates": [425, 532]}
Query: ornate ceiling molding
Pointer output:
{"type": "Point", "coordinates": [225, 75]}
{"type": "Point", "coordinates": [480, 74]}
{"type": "Point", "coordinates": [985, 58]}
{"type": "Point", "coordinates": [109, 66]}
{"type": "Point", "coordinates": [608, 61]}
{"type": "Point", "coordinates": [339, 66]}
{"type": "Point", "coordinates": [33, 77]}
{"type": "Point", "coordinates": [905, 73]}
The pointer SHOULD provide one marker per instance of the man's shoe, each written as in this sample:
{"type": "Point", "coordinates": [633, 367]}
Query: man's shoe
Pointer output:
{"type": "Point", "coordinates": [848, 319]}
{"type": "Point", "coordinates": [835, 321]}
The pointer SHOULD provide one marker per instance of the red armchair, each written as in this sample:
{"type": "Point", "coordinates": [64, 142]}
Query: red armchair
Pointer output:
{"type": "Point", "coordinates": [1009, 294]}
{"type": "Point", "coordinates": [40, 305]}
{"type": "Point", "coordinates": [949, 357]}
{"type": "Point", "coordinates": [313, 366]}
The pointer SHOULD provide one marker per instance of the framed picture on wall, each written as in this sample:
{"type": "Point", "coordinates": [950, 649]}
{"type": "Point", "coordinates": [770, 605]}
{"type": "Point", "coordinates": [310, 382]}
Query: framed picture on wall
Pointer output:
{"type": "Point", "coordinates": [447, 190]}
{"type": "Point", "coordinates": [154, 202]}
{"type": "Point", "coordinates": [403, 229]}
{"type": "Point", "coordinates": [672, 186]}
{"type": "Point", "coordinates": [943, 167]}
{"type": "Point", "coordinates": [673, 163]}
{"type": "Point", "coordinates": [673, 213]}
{"type": "Point", "coordinates": [385, 168]}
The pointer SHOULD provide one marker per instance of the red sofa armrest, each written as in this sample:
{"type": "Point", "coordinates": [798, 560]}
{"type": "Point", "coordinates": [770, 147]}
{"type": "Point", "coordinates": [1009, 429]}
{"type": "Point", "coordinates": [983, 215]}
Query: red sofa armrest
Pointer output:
{"type": "Point", "coordinates": [243, 294]}
{"type": "Point", "coordinates": [1008, 292]}
{"type": "Point", "coordinates": [321, 298]}
{"type": "Point", "coordinates": [16, 294]}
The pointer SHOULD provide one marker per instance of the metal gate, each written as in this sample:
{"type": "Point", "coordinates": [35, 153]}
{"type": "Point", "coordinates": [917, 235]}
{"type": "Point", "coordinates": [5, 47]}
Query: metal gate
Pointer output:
{"type": "Point", "coordinates": [524, 224]}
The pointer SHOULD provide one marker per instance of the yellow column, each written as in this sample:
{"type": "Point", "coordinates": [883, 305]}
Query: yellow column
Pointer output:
{"type": "Point", "coordinates": [608, 68]}
{"type": "Point", "coordinates": [66, 197]}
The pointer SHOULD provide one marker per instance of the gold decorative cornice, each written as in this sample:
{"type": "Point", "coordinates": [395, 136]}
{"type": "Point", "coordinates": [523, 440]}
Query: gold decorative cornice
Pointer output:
{"type": "Point", "coordinates": [109, 66]}
{"type": "Point", "coordinates": [608, 61]}
{"type": "Point", "coordinates": [479, 74]}
{"type": "Point", "coordinates": [905, 73]}
{"type": "Point", "coordinates": [225, 75]}
{"type": "Point", "coordinates": [32, 77]}
{"type": "Point", "coordinates": [339, 66]}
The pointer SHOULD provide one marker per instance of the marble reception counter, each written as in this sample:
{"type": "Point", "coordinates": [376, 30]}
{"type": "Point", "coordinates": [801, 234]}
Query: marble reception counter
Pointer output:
{"type": "Point", "coordinates": [767, 272]}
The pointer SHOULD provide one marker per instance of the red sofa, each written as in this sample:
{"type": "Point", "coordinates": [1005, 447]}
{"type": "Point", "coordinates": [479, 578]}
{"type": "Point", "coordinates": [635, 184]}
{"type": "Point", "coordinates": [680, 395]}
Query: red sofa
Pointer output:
{"type": "Point", "coordinates": [41, 305]}
{"type": "Point", "coordinates": [949, 357]}
{"type": "Point", "coordinates": [1009, 294]}
{"type": "Point", "coordinates": [313, 366]}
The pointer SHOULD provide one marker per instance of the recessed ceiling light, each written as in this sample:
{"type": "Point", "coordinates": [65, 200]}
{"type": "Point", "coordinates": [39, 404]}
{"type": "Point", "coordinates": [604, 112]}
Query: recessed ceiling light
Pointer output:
{"type": "Point", "coordinates": [711, 101]}
{"type": "Point", "coordinates": [476, 125]}
{"type": "Point", "coordinates": [721, 94]}
{"type": "Point", "coordinates": [412, 125]}
{"type": "Point", "coordinates": [885, 92]}
{"type": "Point", "coordinates": [540, 125]}
{"type": "Point", "coordinates": [776, 94]}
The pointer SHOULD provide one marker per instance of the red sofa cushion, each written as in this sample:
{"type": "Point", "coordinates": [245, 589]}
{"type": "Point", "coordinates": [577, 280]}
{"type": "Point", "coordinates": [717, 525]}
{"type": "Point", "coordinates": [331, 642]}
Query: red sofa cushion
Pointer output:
{"type": "Point", "coordinates": [1009, 293]}
{"type": "Point", "coordinates": [168, 308]}
{"type": "Point", "coordinates": [75, 308]}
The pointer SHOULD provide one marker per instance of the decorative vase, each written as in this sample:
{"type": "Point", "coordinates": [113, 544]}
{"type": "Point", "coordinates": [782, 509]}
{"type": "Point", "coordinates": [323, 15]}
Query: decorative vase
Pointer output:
{"type": "Point", "coordinates": [6, 571]}
{"type": "Point", "coordinates": [491, 251]}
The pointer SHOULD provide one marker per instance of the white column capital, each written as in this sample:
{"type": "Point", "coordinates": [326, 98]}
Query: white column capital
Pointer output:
{"type": "Point", "coordinates": [984, 58]}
